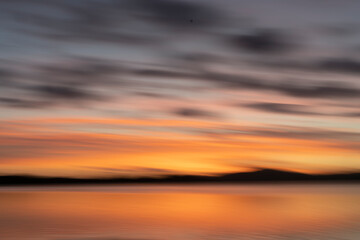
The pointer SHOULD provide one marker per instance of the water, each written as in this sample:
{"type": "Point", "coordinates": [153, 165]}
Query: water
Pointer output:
{"type": "Point", "coordinates": [176, 212]}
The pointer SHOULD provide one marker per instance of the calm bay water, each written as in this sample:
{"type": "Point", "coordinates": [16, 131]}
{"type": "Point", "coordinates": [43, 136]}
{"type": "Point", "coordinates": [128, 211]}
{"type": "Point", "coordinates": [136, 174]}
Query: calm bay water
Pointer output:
{"type": "Point", "coordinates": [176, 212]}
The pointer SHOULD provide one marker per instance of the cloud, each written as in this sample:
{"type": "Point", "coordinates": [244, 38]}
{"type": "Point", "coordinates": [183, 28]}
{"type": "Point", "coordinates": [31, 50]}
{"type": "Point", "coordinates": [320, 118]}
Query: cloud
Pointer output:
{"type": "Point", "coordinates": [155, 95]}
{"type": "Point", "coordinates": [323, 90]}
{"type": "Point", "coordinates": [281, 108]}
{"type": "Point", "coordinates": [84, 67]}
{"type": "Point", "coordinates": [283, 131]}
{"type": "Point", "coordinates": [75, 80]}
{"type": "Point", "coordinates": [80, 71]}
{"type": "Point", "coordinates": [23, 103]}
{"type": "Point", "coordinates": [340, 30]}
{"type": "Point", "coordinates": [307, 133]}
{"type": "Point", "coordinates": [86, 80]}
{"type": "Point", "coordinates": [329, 65]}
{"type": "Point", "coordinates": [176, 13]}
{"type": "Point", "coordinates": [294, 109]}
{"type": "Point", "coordinates": [95, 21]}
{"type": "Point", "coordinates": [351, 114]}
{"type": "Point", "coordinates": [236, 81]}
{"type": "Point", "coordinates": [111, 22]}
{"type": "Point", "coordinates": [5, 77]}
{"type": "Point", "coordinates": [31, 144]}
{"type": "Point", "coordinates": [160, 73]}
{"type": "Point", "coordinates": [294, 88]}
{"type": "Point", "coordinates": [344, 65]}
{"type": "Point", "coordinates": [262, 41]}
{"type": "Point", "coordinates": [62, 92]}
{"type": "Point", "coordinates": [192, 112]}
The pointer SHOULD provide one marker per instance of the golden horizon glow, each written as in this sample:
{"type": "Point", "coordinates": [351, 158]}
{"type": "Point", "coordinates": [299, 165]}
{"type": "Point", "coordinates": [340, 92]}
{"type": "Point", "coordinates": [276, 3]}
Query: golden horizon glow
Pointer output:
{"type": "Point", "coordinates": [76, 147]}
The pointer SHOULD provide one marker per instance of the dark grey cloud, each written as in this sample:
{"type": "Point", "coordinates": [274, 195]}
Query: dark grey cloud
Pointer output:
{"type": "Point", "coordinates": [236, 81]}
{"type": "Point", "coordinates": [160, 73]}
{"type": "Point", "coordinates": [24, 103]}
{"type": "Point", "coordinates": [63, 92]}
{"type": "Point", "coordinates": [175, 13]}
{"type": "Point", "coordinates": [281, 108]}
{"type": "Point", "coordinates": [262, 41]}
{"type": "Point", "coordinates": [342, 65]}
{"type": "Point", "coordinates": [73, 81]}
{"type": "Point", "coordinates": [294, 109]}
{"type": "Point", "coordinates": [281, 64]}
{"type": "Point", "coordinates": [5, 77]}
{"type": "Point", "coordinates": [319, 90]}
{"type": "Point", "coordinates": [340, 30]}
{"type": "Point", "coordinates": [295, 88]}
{"type": "Point", "coordinates": [82, 71]}
{"type": "Point", "coordinates": [80, 80]}
{"type": "Point", "coordinates": [84, 67]}
{"type": "Point", "coordinates": [93, 37]}
{"type": "Point", "coordinates": [155, 95]}
{"type": "Point", "coordinates": [111, 22]}
{"type": "Point", "coordinates": [91, 21]}
{"type": "Point", "coordinates": [70, 71]}
{"type": "Point", "coordinates": [193, 112]}
{"type": "Point", "coordinates": [351, 114]}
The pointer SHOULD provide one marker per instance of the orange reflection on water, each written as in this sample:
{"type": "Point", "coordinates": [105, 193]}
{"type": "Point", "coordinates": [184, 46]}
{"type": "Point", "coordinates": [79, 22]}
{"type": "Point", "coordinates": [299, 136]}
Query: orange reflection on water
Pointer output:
{"type": "Point", "coordinates": [158, 213]}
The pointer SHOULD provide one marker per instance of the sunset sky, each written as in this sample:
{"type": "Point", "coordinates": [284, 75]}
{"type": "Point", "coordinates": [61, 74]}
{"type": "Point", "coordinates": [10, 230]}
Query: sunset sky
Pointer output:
{"type": "Point", "coordinates": [154, 87]}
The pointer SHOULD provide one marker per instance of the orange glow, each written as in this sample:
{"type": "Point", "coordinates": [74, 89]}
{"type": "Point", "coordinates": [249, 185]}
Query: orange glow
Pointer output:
{"type": "Point", "coordinates": [55, 147]}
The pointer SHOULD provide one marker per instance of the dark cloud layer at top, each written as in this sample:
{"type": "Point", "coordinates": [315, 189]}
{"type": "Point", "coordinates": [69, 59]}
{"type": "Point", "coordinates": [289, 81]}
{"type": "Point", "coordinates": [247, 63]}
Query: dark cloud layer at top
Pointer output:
{"type": "Point", "coordinates": [143, 21]}
{"type": "Point", "coordinates": [112, 22]}
{"type": "Point", "coordinates": [95, 21]}
{"type": "Point", "coordinates": [176, 13]}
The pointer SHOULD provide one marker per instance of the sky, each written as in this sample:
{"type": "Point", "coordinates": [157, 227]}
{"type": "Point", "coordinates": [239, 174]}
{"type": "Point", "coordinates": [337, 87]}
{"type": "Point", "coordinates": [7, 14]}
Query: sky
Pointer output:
{"type": "Point", "coordinates": [157, 87]}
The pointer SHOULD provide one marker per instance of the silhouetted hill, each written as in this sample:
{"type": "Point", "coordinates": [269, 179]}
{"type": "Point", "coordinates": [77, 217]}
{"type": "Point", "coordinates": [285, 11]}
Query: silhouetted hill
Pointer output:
{"type": "Point", "coordinates": [263, 175]}
{"type": "Point", "coordinates": [266, 175]}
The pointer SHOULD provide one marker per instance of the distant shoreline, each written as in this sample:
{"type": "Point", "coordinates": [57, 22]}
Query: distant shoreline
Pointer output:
{"type": "Point", "coordinates": [262, 176]}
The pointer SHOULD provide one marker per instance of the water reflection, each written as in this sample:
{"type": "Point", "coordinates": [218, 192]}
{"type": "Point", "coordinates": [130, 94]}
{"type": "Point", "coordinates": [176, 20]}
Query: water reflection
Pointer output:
{"type": "Point", "coordinates": [233, 213]}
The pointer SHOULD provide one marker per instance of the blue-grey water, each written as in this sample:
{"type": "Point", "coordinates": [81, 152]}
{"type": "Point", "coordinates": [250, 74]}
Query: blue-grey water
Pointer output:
{"type": "Point", "coordinates": [181, 212]}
